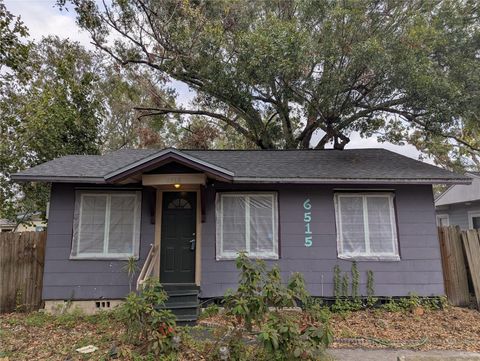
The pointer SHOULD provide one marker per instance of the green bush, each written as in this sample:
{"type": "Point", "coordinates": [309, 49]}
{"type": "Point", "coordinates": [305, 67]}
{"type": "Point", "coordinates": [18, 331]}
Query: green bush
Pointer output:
{"type": "Point", "coordinates": [259, 303]}
{"type": "Point", "coordinates": [146, 324]}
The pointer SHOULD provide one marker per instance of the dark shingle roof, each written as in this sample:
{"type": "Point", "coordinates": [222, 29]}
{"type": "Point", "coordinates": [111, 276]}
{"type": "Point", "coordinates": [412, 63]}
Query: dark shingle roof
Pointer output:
{"type": "Point", "coordinates": [358, 165]}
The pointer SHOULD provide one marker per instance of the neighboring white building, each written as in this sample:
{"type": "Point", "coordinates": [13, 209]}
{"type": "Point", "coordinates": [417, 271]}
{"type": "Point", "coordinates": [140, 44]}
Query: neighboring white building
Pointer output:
{"type": "Point", "coordinates": [32, 223]}
{"type": "Point", "coordinates": [460, 205]}
{"type": "Point", "coordinates": [6, 225]}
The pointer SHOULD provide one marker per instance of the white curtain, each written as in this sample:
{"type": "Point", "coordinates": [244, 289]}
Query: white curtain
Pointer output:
{"type": "Point", "coordinates": [233, 224]}
{"type": "Point", "coordinates": [106, 224]}
{"type": "Point", "coordinates": [262, 222]}
{"type": "Point", "coordinates": [122, 224]}
{"type": "Point", "coordinates": [92, 227]}
{"type": "Point", "coordinates": [352, 225]}
{"type": "Point", "coordinates": [246, 222]}
{"type": "Point", "coordinates": [380, 227]}
{"type": "Point", "coordinates": [366, 226]}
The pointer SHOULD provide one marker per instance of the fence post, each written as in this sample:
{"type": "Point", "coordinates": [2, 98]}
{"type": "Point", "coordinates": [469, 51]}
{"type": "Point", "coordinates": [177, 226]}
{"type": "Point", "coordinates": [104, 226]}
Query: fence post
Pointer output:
{"type": "Point", "coordinates": [453, 262]}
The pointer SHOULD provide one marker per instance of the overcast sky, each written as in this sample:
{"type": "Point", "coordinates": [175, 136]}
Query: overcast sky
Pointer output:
{"type": "Point", "coordinates": [42, 18]}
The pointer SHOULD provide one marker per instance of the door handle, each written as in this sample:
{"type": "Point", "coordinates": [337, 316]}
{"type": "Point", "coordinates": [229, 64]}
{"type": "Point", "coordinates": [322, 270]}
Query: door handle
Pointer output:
{"type": "Point", "coordinates": [192, 244]}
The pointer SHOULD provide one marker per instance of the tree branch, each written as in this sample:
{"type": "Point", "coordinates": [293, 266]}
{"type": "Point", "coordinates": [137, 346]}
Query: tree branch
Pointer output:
{"type": "Point", "coordinates": [228, 121]}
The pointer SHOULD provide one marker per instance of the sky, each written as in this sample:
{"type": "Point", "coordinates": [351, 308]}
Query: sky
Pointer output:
{"type": "Point", "coordinates": [43, 18]}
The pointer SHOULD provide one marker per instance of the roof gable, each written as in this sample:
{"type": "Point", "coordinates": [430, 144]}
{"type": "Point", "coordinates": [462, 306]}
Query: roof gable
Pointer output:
{"type": "Point", "coordinates": [165, 156]}
{"type": "Point", "coordinates": [460, 193]}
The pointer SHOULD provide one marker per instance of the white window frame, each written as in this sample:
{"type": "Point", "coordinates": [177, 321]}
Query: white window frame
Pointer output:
{"type": "Point", "coordinates": [367, 255]}
{"type": "Point", "coordinates": [228, 255]}
{"type": "Point", "coordinates": [471, 215]}
{"type": "Point", "coordinates": [80, 195]}
{"type": "Point", "coordinates": [442, 216]}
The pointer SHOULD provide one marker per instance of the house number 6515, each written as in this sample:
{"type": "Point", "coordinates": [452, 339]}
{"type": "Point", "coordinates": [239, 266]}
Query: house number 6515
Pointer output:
{"type": "Point", "coordinates": [307, 217]}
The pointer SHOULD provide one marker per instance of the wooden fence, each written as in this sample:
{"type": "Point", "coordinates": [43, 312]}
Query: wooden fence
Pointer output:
{"type": "Point", "coordinates": [460, 259]}
{"type": "Point", "coordinates": [21, 270]}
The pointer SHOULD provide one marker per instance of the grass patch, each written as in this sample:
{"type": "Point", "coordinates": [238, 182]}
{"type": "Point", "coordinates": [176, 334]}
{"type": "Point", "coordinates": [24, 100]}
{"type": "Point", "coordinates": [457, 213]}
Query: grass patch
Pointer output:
{"type": "Point", "coordinates": [37, 319]}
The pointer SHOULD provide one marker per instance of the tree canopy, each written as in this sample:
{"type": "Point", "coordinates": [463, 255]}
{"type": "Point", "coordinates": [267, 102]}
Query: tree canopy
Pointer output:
{"type": "Point", "coordinates": [304, 73]}
{"type": "Point", "coordinates": [47, 111]}
{"type": "Point", "coordinates": [58, 98]}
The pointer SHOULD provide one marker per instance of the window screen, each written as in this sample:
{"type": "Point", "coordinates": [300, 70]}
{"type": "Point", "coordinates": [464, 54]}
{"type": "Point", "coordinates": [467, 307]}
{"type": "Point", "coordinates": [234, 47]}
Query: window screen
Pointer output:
{"type": "Point", "coordinates": [247, 222]}
{"type": "Point", "coordinates": [106, 224]}
{"type": "Point", "coordinates": [366, 226]}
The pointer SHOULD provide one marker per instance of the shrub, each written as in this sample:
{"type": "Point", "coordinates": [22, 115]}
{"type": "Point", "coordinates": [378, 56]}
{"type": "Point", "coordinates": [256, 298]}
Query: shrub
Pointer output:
{"type": "Point", "coordinates": [259, 301]}
{"type": "Point", "coordinates": [147, 324]}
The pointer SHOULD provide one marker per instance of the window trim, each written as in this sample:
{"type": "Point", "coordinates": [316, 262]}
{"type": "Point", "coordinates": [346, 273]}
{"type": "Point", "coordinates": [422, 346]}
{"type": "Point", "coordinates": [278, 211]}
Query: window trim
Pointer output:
{"type": "Point", "coordinates": [105, 255]}
{"type": "Point", "coordinates": [395, 256]}
{"type": "Point", "coordinates": [471, 215]}
{"type": "Point", "coordinates": [220, 255]}
{"type": "Point", "coordinates": [442, 216]}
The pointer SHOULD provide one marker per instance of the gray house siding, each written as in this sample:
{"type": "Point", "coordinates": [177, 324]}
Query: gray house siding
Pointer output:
{"type": "Point", "coordinates": [458, 213]}
{"type": "Point", "coordinates": [83, 279]}
{"type": "Point", "coordinates": [419, 270]}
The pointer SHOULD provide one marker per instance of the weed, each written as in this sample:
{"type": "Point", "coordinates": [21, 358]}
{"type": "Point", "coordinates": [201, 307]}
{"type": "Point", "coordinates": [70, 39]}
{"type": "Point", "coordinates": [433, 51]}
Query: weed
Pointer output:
{"type": "Point", "coordinates": [337, 279]}
{"type": "Point", "coordinates": [413, 301]}
{"type": "Point", "coordinates": [209, 311]}
{"type": "Point", "coordinates": [19, 302]}
{"type": "Point", "coordinates": [37, 319]}
{"type": "Point", "coordinates": [131, 267]}
{"type": "Point", "coordinates": [345, 280]}
{"type": "Point", "coordinates": [355, 282]}
{"type": "Point", "coordinates": [69, 319]}
{"type": "Point", "coordinates": [371, 299]}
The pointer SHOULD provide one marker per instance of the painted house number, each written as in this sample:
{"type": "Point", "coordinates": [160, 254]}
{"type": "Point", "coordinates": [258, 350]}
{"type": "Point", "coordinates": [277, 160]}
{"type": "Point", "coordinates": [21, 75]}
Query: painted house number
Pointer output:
{"type": "Point", "coordinates": [307, 217]}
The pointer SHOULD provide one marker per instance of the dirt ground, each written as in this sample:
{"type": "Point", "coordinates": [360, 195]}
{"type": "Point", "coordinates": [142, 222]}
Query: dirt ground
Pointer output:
{"type": "Point", "coordinates": [37, 336]}
{"type": "Point", "coordinates": [451, 329]}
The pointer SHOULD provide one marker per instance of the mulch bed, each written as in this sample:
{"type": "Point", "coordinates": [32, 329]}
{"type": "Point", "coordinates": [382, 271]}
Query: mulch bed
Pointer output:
{"type": "Point", "coordinates": [450, 329]}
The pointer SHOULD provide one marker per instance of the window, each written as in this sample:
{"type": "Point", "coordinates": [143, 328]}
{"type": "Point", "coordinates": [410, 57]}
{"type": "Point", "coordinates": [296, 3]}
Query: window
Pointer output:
{"type": "Point", "coordinates": [179, 203]}
{"type": "Point", "coordinates": [106, 225]}
{"type": "Point", "coordinates": [443, 220]}
{"type": "Point", "coordinates": [247, 222]}
{"type": "Point", "coordinates": [474, 220]}
{"type": "Point", "coordinates": [366, 226]}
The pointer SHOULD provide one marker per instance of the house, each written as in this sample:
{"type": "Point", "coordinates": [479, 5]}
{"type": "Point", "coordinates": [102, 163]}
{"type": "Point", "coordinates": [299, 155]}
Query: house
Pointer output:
{"type": "Point", "coordinates": [459, 205]}
{"type": "Point", "coordinates": [7, 225]}
{"type": "Point", "coordinates": [26, 223]}
{"type": "Point", "coordinates": [185, 214]}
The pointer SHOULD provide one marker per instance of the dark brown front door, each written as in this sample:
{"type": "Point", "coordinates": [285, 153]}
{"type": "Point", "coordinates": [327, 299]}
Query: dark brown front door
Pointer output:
{"type": "Point", "coordinates": [177, 263]}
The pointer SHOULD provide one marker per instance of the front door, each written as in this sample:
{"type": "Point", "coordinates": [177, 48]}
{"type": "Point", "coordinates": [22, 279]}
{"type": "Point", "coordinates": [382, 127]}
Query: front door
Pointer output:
{"type": "Point", "coordinates": [177, 263]}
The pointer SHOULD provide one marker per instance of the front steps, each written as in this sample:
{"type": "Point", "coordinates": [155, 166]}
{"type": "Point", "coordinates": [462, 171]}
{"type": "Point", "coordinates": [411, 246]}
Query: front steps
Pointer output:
{"type": "Point", "coordinates": [183, 302]}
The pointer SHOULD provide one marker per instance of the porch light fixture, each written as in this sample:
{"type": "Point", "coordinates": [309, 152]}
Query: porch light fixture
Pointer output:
{"type": "Point", "coordinates": [176, 185]}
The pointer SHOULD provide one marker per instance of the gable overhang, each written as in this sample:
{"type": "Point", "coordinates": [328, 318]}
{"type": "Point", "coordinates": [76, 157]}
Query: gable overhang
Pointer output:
{"type": "Point", "coordinates": [166, 156]}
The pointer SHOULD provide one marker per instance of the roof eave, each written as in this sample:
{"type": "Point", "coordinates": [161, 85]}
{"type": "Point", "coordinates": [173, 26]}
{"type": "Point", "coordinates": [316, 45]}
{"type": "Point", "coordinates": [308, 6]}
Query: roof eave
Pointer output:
{"type": "Point", "coordinates": [56, 179]}
{"type": "Point", "coordinates": [354, 180]}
